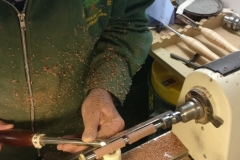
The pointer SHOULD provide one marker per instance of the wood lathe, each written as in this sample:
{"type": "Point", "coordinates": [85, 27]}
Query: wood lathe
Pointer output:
{"type": "Point", "coordinates": [204, 125]}
{"type": "Point", "coordinates": [205, 120]}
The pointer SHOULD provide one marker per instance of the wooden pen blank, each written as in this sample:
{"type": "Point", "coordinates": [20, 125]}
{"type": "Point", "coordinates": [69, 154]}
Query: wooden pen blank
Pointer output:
{"type": "Point", "coordinates": [109, 148]}
{"type": "Point", "coordinates": [139, 134]}
{"type": "Point", "coordinates": [132, 137]}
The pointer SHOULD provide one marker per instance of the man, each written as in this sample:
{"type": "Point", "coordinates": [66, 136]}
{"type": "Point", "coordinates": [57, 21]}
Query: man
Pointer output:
{"type": "Point", "coordinates": [68, 63]}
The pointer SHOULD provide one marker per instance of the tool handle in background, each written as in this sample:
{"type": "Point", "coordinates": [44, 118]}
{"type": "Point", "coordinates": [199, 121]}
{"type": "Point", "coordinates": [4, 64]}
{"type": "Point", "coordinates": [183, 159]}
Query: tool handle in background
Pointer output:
{"type": "Point", "coordinates": [16, 137]}
{"type": "Point", "coordinates": [218, 40]}
{"type": "Point", "coordinates": [199, 48]}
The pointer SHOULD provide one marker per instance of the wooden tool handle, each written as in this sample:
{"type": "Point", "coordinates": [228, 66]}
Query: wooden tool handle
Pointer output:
{"type": "Point", "coordinates": [199, 48]}
{"type": "Point", "coordinates": [15, 137]}
{"type": "Point", "coordinates": [218, 40]}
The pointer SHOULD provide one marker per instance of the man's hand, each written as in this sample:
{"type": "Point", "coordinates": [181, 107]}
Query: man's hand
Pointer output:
{"type": "Point", "coordinates": [4, 126]}
{"type": "Point", "coordinates": [100, 117]}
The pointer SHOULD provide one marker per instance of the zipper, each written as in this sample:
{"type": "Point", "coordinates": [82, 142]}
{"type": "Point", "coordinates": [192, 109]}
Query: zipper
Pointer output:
{"type": "Point", "coordinates": [21, 17]}
{"type": "Point", "coordinates": [27, 72]}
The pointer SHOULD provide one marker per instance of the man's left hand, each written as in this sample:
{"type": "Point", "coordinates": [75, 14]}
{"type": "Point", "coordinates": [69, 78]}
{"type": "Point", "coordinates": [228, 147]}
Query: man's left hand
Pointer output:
{"type": "Point", "coordinates": [100, 117]}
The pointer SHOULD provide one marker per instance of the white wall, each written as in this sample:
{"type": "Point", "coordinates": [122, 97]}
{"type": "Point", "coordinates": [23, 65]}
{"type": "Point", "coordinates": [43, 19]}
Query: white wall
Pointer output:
{"type": "Point", "coordinates": [233, 4]}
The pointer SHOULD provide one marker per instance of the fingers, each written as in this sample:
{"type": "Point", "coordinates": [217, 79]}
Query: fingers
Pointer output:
{"type": "Point", "coordinates": [111, 128]}
{"type": "Point", "coordinates": [5, 126]}
{"type": "Point", "coordinates": [70, 148]}
{"type": "Point", "coordinates": [91, 126]}
{"type": "Point", "coordinates": [91, 114]}
{"type": "Point", "coordinates": [100, 116]}
{"type": "Point", "coordinates": [79, 135]}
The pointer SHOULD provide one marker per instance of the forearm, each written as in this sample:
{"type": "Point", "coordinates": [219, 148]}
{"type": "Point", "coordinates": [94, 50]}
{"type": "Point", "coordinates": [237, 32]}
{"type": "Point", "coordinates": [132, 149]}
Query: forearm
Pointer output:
{"type": "Point", "coordinates": [120, 52]}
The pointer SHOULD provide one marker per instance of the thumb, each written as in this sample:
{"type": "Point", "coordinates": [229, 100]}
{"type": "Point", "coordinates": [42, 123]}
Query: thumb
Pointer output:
{"type": "Point", "coordinates": [91, 122]}
{"type": "Point", "coordinates": [5, 126]}
{"type": "Point", "coordinates": [111, 128]}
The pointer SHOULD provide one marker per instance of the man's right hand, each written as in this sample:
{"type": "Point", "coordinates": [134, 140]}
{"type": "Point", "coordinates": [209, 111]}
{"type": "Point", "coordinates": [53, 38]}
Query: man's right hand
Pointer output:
{"type": "Point", "coordinates": [4, 126]}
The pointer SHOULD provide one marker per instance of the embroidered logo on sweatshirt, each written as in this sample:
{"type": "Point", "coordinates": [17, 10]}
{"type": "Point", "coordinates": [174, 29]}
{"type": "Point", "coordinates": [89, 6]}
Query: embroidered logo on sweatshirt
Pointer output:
{"type": "Point", "coordinates": [93, 11]}
{"type": "Point", "coordinates": [109, 2]}
{"type": "Point", "coordinates": [94, 18]}
{"type": "Point", "coordinates": [90, 3]}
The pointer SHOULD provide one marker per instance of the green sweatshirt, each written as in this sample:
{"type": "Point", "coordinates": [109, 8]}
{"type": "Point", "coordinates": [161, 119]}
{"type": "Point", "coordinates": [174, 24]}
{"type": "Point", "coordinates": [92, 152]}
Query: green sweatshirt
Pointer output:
{"type": "Point", "coordinates": [72, 46]}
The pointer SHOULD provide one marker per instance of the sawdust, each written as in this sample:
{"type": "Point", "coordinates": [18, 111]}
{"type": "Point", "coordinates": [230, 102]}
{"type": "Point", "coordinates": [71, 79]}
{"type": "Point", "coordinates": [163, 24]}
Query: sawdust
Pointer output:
{"type": "Point", "coordinates": [117, 71]}
{"type": "Point", "coordinates": [47, 69]}
{"type": "Point", "coordinates": [19, 101]}
{"type": "Point", "coordinates": [75, 31]}
{"type": "Point", "coordinates": [15, 81]}
{"type": "Point", "coordinates": [165, 147]}
{"type": "Point", "coordinates": [45, 58]}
